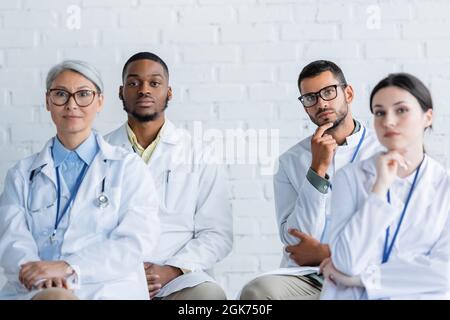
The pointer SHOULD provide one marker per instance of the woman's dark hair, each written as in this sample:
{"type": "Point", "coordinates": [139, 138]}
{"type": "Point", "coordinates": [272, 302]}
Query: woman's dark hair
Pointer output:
{"type": "Point", "coordinates": [409, 83]}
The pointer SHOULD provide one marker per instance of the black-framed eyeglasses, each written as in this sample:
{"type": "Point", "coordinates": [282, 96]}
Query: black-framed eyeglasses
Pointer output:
{"type": "Point", "coordinates": [327, 93]}
{"type": "Point", "coordinates": [60, 97]}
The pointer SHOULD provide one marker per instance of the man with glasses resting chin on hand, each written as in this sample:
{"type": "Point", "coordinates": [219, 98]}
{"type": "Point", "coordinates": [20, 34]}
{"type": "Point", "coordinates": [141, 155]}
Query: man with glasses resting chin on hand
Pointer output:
{"type": "Point", "coordinates": [303, 183]}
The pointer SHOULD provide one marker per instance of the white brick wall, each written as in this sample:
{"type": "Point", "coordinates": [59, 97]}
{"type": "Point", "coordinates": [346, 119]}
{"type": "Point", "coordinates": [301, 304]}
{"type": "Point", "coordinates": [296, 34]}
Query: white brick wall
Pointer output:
{"type": "Point", "coordinates": [234, 64]}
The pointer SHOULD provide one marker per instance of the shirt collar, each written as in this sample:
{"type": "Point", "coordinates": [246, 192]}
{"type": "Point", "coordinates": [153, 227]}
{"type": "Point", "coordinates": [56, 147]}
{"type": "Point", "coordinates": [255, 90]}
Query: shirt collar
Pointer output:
{"type": "Point", "coordinates": [133, 139]}
{"type": "Point", "coordinates": [59, 152]}
{"type": "Point", "coordinates": [88, 149]}
{"type": "Point", "coordinates": [85, 151]}
{"type": "Point", "coordinates": [357, 126]}
{"type": "Point", "coordinates": [353, 134]}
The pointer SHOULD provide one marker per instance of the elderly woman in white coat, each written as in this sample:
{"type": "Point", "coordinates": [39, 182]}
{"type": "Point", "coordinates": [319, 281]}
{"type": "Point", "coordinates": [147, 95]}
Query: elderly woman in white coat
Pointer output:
{"type": "Point", "coordinates": [390, 235]}
{"type": "Point", "coordinates": [77, 218]}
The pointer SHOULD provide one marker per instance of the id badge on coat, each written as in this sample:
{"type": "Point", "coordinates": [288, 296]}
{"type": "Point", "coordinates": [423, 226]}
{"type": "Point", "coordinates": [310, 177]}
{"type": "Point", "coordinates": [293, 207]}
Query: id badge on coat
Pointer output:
{"type": "Point", "coordinates": [50, 249]}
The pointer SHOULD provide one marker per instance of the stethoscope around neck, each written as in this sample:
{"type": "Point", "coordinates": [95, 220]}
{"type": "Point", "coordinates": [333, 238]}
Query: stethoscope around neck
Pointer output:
{"type": "Point", "coordinates": [102, 200]}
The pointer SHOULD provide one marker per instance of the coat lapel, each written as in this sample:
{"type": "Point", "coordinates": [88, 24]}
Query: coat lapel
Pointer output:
{"type": "Point", "coordinates": [44, 162]}
{"type": "Point", "coordinates": [98, 170]}
{"type": "Point", "coordinates": [429, 177]}
{"type": "Point", "coordinates": [425, 191]}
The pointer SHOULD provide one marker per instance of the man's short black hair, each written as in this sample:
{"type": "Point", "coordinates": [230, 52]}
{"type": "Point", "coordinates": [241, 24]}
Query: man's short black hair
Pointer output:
{"type": "Point", "coordinates": [317, 67]}
{"type": "Point", "coordinates": [145, 56]}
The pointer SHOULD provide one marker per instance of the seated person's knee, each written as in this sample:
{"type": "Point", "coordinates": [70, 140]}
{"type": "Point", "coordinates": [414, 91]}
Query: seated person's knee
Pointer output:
{"type": "Point", "coordinates": [55, 294]}
{"type": "Point", "coordinates": [254, 290]}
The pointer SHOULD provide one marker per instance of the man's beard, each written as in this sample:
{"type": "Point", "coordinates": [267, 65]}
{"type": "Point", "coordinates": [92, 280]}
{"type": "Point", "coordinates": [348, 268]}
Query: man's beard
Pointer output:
{"type": "Point", "coordinates": [147, 117]}
{"type": "Point", "coordinates": [339, 119]}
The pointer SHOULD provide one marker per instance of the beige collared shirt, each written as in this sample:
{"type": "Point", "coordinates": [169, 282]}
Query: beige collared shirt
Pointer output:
{"type": "Point", "coordinates": [144, 153]}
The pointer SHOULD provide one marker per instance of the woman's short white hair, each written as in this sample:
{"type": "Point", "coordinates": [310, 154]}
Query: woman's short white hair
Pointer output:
{"type": "Point", "coordinates": [81, 67]}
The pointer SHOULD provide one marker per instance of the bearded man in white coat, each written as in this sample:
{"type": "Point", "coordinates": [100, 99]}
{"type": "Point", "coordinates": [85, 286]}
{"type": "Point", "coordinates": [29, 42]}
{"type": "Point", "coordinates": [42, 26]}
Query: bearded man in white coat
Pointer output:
{"type": "Point", "coordinates": [195, 211]}
{"type": "Point", "coordinates": [302, 183]}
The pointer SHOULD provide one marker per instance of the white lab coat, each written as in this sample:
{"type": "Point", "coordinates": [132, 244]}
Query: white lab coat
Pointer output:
{"type": "Point", "coordinates": [195, 211]}
{"type": "Point", "coordinates": [298, 203]}
{"type": "Point", "coordinates": [104, 245]}
{"type": "Point", "coordinates": [419, 266]}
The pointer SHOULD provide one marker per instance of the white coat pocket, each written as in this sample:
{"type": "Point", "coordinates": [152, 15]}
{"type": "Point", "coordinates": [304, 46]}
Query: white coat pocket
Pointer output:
{"type": "Point", "coordinates": [179, 192]}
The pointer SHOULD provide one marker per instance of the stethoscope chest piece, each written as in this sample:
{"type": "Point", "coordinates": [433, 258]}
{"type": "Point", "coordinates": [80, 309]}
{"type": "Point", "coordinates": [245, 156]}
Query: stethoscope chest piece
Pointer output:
{"type": "Point", "coordinates": [102, 200]}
